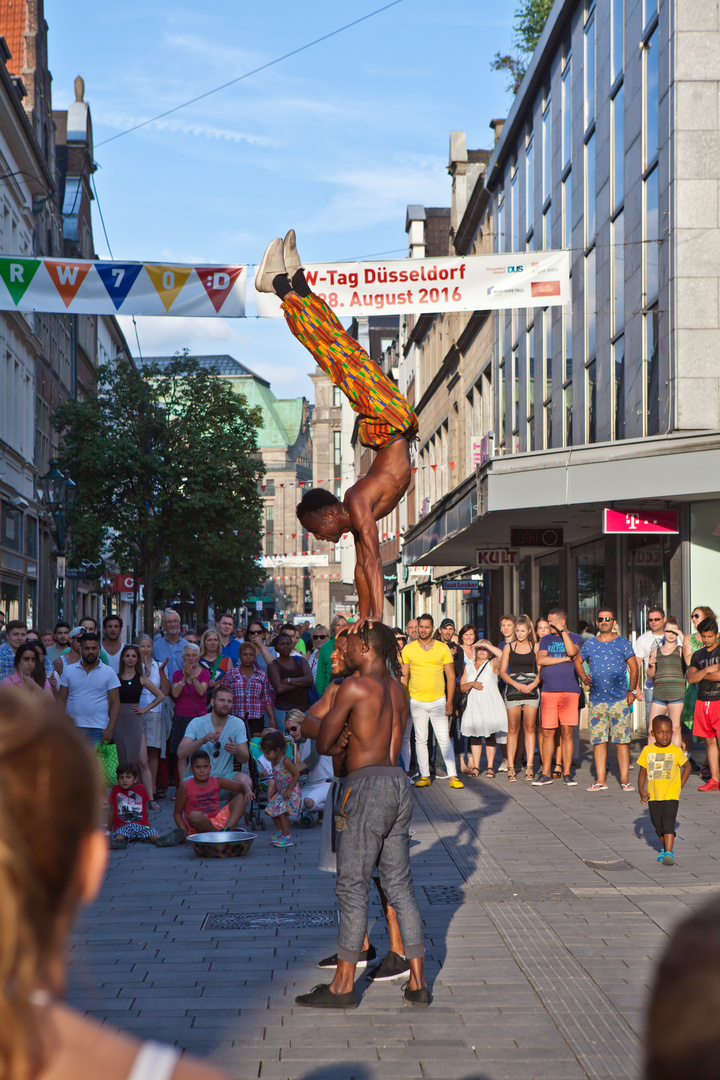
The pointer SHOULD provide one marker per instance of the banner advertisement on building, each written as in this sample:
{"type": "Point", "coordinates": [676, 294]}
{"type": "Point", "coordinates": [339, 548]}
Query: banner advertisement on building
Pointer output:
{"type": "Point", "coordinates": [417, 286]}
{"type": "Point", "coordinates": [83, 287]}
{"type": "Point", "coordinates": [274, 562]}
{"type": "Point", "coordinates": [414, 286]}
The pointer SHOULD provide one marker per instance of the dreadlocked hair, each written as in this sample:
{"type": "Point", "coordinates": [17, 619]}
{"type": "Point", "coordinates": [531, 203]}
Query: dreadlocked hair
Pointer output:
{"type": "Point", "coordinates": [382, 641]}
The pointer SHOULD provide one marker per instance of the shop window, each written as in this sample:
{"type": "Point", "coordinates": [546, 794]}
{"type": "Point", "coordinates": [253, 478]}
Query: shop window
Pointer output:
{"type": "Point", "coordinates": [548, 583]}
{"type": "Point", "coordinates": [590, 581]}
{"type": "Point", "coordinates": [10, 600]}
{"type": "Point", "coordinates": [11, 527]}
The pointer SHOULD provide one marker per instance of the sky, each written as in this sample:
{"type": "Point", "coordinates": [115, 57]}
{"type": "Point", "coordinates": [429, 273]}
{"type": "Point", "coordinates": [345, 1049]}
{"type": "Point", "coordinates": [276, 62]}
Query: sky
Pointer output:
{"type": "Point", "coordinates": [334, 142]}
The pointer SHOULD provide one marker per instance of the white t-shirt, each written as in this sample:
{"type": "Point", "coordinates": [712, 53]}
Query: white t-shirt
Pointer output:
{"type": "Point", "coordinates": [645, 644]}
{"type": "Point", "coordinates": [87, 701]}
{"type": "Point", "coordinates": [223, 764]}
{"type": "Point", "coordinates": [146, 697]}
{"type": "Point", "coordinates": [114, 661]}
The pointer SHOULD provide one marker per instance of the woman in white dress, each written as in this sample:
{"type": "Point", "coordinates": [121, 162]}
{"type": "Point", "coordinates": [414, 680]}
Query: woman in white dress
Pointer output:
{"type": "Point", "coordinates": [485, 715]}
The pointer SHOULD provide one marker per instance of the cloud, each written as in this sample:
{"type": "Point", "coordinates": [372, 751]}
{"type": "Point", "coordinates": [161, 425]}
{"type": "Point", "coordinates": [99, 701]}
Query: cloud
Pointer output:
{"type": "Point", "coordinates": [369, 195]}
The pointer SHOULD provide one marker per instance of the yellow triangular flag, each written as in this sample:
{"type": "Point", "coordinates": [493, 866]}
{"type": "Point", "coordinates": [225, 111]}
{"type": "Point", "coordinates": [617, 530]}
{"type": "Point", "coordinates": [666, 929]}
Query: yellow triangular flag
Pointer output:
{"type": "Point", "coordinates": [168, 281]}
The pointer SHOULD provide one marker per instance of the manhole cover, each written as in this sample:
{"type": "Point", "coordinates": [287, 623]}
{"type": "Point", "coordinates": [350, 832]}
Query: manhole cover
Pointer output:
{"type": "Point", "coordinates": [283, 920]}
{"type": "Point", "coordinates": [611, 864]}
{"type": "Point", "coordinates": [444, 894]}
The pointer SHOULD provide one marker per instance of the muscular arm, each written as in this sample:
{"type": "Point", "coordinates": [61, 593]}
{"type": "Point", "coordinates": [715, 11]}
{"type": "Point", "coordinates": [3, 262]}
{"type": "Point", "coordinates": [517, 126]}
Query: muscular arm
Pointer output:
{"type": "Point", "coordinates": [331, 727]}
{"type": "Point", "coordinates": [711, 673]}
{"type": "Point", "coordinates": [361, 502]}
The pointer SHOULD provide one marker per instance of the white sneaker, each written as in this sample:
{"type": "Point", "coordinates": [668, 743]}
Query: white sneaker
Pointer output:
{"type": "Point", "coordinates": [290, 252]}
{"type": "Point", "coordinates": [272, 264]}
{"type": "Point", "coordinates": [502, 767]}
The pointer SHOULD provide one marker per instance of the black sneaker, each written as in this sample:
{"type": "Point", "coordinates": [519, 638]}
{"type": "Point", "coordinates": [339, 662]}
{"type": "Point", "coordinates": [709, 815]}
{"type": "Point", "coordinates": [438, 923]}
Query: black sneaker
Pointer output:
{"type": "Point", "coordinates": [365, 957]}
{"type": "Point", "coordinates": [569, 781]}
{"type": "Point", "coordinates": [392, 966]}
{"type": "Point", "coordinates": [541, 780]}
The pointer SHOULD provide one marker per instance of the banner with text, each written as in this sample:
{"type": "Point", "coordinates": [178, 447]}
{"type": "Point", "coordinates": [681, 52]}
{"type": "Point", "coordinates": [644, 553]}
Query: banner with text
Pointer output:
{"type": "Point", "coordinates": [416, 286]}
{"type": "Point", "coordinates": [83, 287]}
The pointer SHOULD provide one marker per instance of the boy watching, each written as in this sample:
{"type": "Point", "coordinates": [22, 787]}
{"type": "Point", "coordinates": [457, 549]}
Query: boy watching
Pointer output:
{"type": "Point", "coordinates": [660, 781]}
{"type": "Point", "coordinates": [197, 804]}
{"type": "Point", "coordinates": [128, 814]}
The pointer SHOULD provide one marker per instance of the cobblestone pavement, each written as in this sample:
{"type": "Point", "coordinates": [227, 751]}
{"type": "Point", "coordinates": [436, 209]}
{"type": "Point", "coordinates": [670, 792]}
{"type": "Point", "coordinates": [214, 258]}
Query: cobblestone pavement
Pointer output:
{"type": "Point", "coordinates": [545, 910]}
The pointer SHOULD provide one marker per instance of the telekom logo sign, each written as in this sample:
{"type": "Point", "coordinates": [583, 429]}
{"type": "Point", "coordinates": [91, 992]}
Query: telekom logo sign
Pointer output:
{"type": "Point", "coordinates": [629, 521]}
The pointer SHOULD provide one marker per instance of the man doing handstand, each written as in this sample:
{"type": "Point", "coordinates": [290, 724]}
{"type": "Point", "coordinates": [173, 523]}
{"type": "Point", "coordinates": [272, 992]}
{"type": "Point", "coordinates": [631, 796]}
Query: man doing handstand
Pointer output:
{"type": "Point", "coordinates": [373, 812]}
{"type": "Point", "coordinates": [387, 423]}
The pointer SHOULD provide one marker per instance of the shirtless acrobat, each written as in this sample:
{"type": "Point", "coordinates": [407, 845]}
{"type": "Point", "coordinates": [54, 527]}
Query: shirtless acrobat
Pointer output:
{"type": "Point", "coordinates": [373, 811]}
{"type": "Point", "coordinates": [387, 423]}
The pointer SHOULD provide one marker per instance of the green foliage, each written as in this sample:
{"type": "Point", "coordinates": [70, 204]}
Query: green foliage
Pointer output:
{"type": "Point", "coordinates": [166, 471]}
{"type": "Point", "coordinates": [530, 19]}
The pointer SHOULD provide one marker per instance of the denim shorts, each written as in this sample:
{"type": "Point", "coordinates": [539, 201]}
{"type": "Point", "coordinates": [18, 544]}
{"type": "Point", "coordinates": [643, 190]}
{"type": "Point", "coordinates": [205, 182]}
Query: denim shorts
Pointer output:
{"type": "Point", "coordinates": [662, 701]}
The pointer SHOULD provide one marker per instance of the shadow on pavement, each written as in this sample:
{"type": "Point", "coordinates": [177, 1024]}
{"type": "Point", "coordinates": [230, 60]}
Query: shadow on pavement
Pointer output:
{"type": "Point", "coordinates": [350, 1071]}
{"type": "Point", "coordinates": [645, 831]}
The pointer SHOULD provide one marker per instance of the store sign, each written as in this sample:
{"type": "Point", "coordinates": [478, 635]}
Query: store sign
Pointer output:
{"type": "Point", "coordinates": [420, 571]}
{"type": "Point", "coordinates": [494, 557]}
{"type": "Point", "coordinates": [275, 562]}
{"type": "Point", "coordinates": [123, 583]}
{"type": "Point", "coordinates": [536, 537]}
{"type": "Point", "coordinates": [464, 584]}
{"type": "Point", "coordinates": [657, 521]}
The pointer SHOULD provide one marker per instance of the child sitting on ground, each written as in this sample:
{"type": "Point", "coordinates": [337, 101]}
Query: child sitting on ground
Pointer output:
{"type": "Point", "coordinates": [283, 792]}
{"type": "Point", "coordinates": [197, 804]}
{"type": "Point", "coordinates": [660, 781]}
{"type": "Point", "coordinates": [128, 814]}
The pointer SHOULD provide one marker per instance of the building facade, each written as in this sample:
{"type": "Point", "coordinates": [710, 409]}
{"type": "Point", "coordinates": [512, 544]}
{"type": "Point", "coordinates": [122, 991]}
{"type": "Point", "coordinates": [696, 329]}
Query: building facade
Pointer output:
{"type": "Point", "coordinates": [612, 404]}
{"type": "Point", "coordinates": [46, 161]}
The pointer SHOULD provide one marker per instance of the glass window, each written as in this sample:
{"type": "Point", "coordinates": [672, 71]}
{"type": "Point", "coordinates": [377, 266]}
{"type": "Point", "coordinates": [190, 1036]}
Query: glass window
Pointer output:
{"type": "Point", "coordinates": [652, 373]}
{"type": "Point", "coordinates": [590, 72]}
{"type": "Point", "coordinates": [547, 154]}
{"type": "Point", "coordinates": [10, 600]}
{"type": "Point", "coordinates": [515, 210]}
{"type": "Point", "coordinates": [568, 320]}
{"type": "Point", "coordinates": [618, 148]}
{"type": "Point", "coordinates": [566, 117]}
{"type": "Point", "coordinates": [529, 191]}
{"type": "Point", "coordinates": [30, 602]}
{"type": "Point", "coordinates": [548, 582]}
{"type": "Point", "coordinates": [337, 396]}
{"type": "Point", "coordinates": [590, 401]}
{"type": "Point", "coordinates": [651, 236]}
{"type": "Point", "coordinates": [616, 56]}
{"type": "Point", "coordinates": [548, 425]}
{"type": "Point", "coordinates": [619, 380]}
{"type": "Point", "coordinates": [547, 349]}
{"type": "Point", "coordinates": [618, 270]}
{"type": "Point", "coordinates": [590, 577]}
{"type": "Point", "coordinates": [530, 353]}
{"type": "Point", "coordinates": [590, 220]}
{"type": "Point", "coordinates": [652, 100]}
{"type": "Point", "coordinates": [568, 395]}
{"type": "Point", "coordinates": [547, 228]}
{"type": "Point", "coordinates": [503, 418]}
{"type": "Point", "coordinates": [500, 238]}
{"type": "Point", "coordinates": [567, 211]}
{"type": "Point", "coordinates": [11, 534]}
{"type": "Point", "coordinates": [590, 303]}
{"type": "Point", "coordinates": [31, 544]}
{"type": "Point", "coordinates": [650, 10]}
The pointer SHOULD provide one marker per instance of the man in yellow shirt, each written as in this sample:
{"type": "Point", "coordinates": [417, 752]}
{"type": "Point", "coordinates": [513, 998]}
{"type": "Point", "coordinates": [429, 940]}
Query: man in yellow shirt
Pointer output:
{"type": "Point", "coordinates": [429, 674]}
{"type": "Point", "coordinates": [660, 781]}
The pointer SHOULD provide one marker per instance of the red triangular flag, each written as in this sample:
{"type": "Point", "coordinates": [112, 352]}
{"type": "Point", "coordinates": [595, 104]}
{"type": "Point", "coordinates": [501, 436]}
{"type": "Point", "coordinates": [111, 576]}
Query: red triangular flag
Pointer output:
{"type": "Point", "coordinates": [433, 467]}
{"type": "Point", "coordinates": [218, 282]}
{"type": "Point", "coordinates": [452, 464]}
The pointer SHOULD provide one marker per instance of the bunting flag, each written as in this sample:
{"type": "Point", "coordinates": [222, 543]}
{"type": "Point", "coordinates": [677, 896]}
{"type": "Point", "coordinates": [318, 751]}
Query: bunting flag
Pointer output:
{"type": "Point", "coordinates": [85, 287]}
{"type": "Point", "coordinates": [403, 286]}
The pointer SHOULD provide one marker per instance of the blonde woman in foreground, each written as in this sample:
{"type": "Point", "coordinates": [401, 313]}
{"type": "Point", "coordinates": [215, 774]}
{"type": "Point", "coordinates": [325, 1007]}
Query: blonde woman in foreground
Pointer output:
{"type": "Point", "coordinates": [52, 860]}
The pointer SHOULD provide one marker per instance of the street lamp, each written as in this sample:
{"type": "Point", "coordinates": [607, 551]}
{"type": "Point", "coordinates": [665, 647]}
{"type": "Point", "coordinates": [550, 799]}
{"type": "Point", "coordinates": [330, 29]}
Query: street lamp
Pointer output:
{"type": "Point", "coordinates": [59, 497]}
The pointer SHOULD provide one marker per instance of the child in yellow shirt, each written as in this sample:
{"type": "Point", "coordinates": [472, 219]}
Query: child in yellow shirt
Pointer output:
{"type": "Point", "coordinates": [664, 770]}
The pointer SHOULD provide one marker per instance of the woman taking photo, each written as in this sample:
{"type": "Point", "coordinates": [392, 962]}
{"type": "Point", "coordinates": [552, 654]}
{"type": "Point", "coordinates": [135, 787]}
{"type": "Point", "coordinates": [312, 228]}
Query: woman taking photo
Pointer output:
{"type": "Point", "coordinates": [520, 673]}
{"type": "Point", "coordinates": [29, 671]}
{"type": "Point", "coordinates": [54, 856]}
{"type": "Point", "coordinates": [189, 692]}
{"type": "Point", "coordinates": [212, 660]}
{"type": "Point", "coordinates": [290, 678]}
{"type": "Point", "coordinates": [485, 716]}
{"type": "Point", "coordinates": [129, 733]}
{"type": "Point", "coordinates": [152, 717]}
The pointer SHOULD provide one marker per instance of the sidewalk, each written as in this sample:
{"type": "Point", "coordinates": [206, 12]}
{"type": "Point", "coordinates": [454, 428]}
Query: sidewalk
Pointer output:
{"type": "Point", "coordinates": [545, 909]}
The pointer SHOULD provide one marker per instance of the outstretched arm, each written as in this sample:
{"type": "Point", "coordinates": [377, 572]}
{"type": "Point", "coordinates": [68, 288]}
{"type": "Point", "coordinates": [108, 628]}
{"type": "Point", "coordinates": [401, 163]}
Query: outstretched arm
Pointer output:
{"type": "Point", "coordinates": [368, 571]}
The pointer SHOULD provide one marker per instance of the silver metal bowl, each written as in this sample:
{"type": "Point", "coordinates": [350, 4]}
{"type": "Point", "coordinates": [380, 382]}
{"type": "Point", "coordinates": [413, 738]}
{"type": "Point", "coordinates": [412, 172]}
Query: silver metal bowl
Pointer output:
{"type": "Point", "coordinates": [222, 845]}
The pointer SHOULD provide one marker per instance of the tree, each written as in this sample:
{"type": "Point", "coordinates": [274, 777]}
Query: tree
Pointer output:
{"type": "Point", "coordinates": [166, 467]}
{"type": "Point", "coordinates": [530, 19]}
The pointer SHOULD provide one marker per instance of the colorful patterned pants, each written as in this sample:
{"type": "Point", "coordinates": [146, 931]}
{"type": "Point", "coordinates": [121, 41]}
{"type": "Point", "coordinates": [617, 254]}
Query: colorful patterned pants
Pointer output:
{"type": "Point", "coordinates": [384, 413]}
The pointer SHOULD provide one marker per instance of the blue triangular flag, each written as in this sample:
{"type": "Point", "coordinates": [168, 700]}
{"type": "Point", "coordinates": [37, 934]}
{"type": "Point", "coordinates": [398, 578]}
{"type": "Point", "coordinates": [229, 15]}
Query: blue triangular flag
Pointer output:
{"type": "Point", "coordinates": [118, 279]}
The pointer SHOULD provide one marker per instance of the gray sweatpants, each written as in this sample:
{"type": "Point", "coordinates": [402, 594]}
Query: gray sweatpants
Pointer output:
{"type": "Point", "coordinates": [372, 819]}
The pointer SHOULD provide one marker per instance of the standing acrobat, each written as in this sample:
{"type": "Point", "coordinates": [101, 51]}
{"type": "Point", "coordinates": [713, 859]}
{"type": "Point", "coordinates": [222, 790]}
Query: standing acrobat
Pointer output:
{"type": "Point", "coordinates": [387, 423]}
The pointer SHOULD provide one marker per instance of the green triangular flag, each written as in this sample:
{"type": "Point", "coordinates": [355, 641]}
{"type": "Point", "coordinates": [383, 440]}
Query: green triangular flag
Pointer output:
{"type": "Point", "coordinates": [17, 275]}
